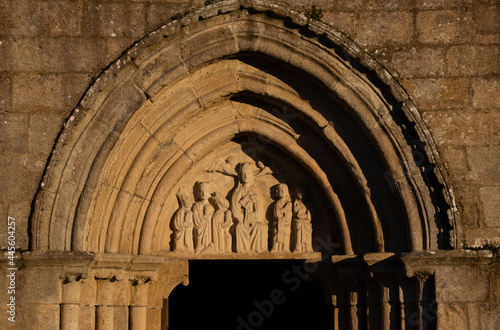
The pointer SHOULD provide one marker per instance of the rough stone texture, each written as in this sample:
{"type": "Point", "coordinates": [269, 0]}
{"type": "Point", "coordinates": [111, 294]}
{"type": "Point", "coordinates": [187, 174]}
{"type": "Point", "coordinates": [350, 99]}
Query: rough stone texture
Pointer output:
{"type": "Point", "coordinates": [21, 213]}
{"type": "Point", "coordinates": [490, 199]}
{"type": "Point", "coordinates": [5, 100]}
{"type": "Point", "coordinates": [453, 284]}
{"type": "Point", "coordinates": [43, 128]}
{"type": "Point", "coordinates": [13, 133]}
{"type": "Point", "coordinates": [485, 93]}
{"type": "Point", "coordinates": [385, 28]}
{"type": "Point", "coordinates": [444, 53]}
{"type": "Point", "coordinates": [441, 93]}
{"type": "Point", "coordinates": [438, 27]}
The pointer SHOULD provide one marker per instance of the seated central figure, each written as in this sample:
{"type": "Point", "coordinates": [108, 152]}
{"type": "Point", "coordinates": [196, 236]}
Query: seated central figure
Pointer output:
{"type": "Point", "coordinates": [248, 212]}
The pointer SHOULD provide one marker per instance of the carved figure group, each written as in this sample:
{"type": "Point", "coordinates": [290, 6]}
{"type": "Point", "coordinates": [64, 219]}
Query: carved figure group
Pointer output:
{"type": "Point", "coordinates": [213, 222]}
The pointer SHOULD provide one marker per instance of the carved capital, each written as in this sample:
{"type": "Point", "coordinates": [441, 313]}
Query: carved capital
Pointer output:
{"type": "Point", "coordinates": [73, 277]}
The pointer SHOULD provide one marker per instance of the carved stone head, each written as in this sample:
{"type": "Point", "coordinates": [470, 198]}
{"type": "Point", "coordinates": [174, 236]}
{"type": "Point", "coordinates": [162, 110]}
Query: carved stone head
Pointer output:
{"type": "Point", "coordinates": [246, 173]}
{"type": "Point", "coordinates": [202, 190]}
{"type": "Point", "coordinates": [282, 191]}
{"type": "Point", "coordinates": [182, 199]}
{"type": "Point", "coordinates": [300, 192]}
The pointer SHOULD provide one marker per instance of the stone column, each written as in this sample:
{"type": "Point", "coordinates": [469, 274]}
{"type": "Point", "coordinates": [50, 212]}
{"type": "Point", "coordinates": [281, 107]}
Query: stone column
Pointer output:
{"type": "Point", "coordinates": [104, 299]}
{"type": "Point", "coordinates": [139, 303]}
{"type": "Point", "coordinates": [422, 277]}
{"type": "Point", "coordinates": [112, 303]}
{"type": "Point", "coordinates": [388, 310]}
{"type": "Point", "coordinates": [353, 309]}
{"type": "Point", "coordinates": [70, 301]}
{"type": "Point", "coordinates": [335, 311]}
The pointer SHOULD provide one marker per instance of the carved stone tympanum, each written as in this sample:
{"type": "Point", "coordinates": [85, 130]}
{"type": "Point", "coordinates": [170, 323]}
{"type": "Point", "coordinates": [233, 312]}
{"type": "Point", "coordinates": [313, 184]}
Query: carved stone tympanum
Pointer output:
{"type": "Point", "coordinates": [216, 223]}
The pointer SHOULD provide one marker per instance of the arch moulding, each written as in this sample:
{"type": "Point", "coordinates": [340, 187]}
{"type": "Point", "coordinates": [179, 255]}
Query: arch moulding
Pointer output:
{"type": "Point", "coordinates": [199, 89]}
{"type": "Point", "coordinates": [235, 83]}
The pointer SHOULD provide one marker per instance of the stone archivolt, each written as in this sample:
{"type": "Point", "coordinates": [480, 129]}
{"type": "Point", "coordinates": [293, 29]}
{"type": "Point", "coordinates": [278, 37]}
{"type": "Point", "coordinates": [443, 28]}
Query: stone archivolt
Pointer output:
{"type": "Point", "coordinates": [178, 98]}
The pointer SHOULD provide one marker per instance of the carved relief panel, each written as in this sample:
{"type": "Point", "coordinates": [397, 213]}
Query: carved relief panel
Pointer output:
{"type": "Point", "coordinates": [238, 204]}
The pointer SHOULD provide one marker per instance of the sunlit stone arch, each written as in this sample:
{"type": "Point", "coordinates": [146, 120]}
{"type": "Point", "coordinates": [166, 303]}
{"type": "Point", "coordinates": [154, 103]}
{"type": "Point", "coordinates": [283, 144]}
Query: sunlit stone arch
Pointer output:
{"type": "Point", "coordinates": [129, 140]}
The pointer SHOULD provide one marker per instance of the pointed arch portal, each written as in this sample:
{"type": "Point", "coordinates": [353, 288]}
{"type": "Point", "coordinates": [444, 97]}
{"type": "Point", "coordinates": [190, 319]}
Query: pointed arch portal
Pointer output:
{"type": "Point", "coordinates": [261, 83]}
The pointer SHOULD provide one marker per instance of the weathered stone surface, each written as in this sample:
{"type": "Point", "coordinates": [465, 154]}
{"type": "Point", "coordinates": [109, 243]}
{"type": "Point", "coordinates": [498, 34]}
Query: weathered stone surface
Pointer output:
{"type": "Point", "coordinates": [87, 317]}
{"type": "Point", "coordinates": [468, 203]}
{"type": "Point", "coordinates": [418, 62]}
{"type": "Point", "coordinates": [386, 28]}
{"type": "Point", "coordinates": [485, 93]}
{"type": "Point", "coordinates": [162, 12]}
{"type": "Point", "coordinates": [486, 19]}
{"type": "Point", "coordinates": [452, 314]}
{"type": "Point", "coordinates": [36, 164]}
{"type": "Point", "coordinates": [456, 161]}
{"type": "Point", "coordinates": [490, 198]}
{"type": "Point", "coordinates": [346, 22]}
{"type": "Point", "coordinates": [5, 94]}
{"type": "Point", "coordinates": [341, 5]}
{"type": "Point", "coordinates": [478, 237]}
{"type": "Point", "coordinates": [43, 132]}
{"type": "Point", "coordinates": [115, 19]}
{"type": "Point", "coordinates": [437, 27]}
{"type": "Point", "coordinates": [36, 93]}
{"type": "Point", "coordinates": [13, 133]}
{"type": "Point", "coordinates": [39, 285]}
{"type": "Point", "coordinates": [41, 314]}
{"type": "Point", "coordinates": [438, 4]}
{"type": "Point", "coordinates": [121, 317]}
{"type": "Point", "coordinates": [389, 4]}
{"type": "Point", "coordinates": [489, 317]}
{"type": "Point", "coordinates": [23, 18]}
{"type": "Point", "coordinates": [153, 318]}
{"type": "Point", "coordinates": [472, 60]}
{"type": "Point", "coordinates": [459, 128]}
{"type": "Point", "coordinates": [483, 163]}
{"type": "Point", "coordinates": [453, 284]}
{"type": "Point", "coordinates": [21, 184]}
{"type": "Point", "coordinates": [21, 213]}
{"type": "Point", "coordinates": [443, 93]}
{"type": "Point", "coordinates": [29, 19]}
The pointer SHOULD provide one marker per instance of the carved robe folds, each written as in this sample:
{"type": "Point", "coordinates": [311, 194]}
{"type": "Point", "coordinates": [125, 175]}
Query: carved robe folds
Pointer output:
{"type": "Point", "coordinates": [202, 218]}
{"type": "Point", "coordinates": [221, 222]}
{"type": "Point", "coordinates": [302, 223]}
{"type": "Point", "coordinates": [183, 226]}
{"type": "Point", "coordinates": [282, 220]}
{"type": "Point", "coordinates": [251, 228]}
{"type": "Point", "coordinates": [218, 225]}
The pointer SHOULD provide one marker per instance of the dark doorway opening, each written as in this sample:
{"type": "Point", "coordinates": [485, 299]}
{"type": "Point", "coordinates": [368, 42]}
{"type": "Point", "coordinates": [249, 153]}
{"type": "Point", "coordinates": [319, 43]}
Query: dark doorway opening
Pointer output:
{"type": "Point", "coordinates": [247, 294]}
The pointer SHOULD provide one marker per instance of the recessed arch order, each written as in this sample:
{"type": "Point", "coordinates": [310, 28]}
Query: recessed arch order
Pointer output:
{"type": "Point", "coordinates": [243, 68]}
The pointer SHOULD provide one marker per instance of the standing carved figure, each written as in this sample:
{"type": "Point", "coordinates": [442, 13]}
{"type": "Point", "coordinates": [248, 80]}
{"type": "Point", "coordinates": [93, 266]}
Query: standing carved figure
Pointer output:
{"type": "Point", "coordinates": [202, 217]}
{"type": "Point", "coordinates": [221, 222]}
{"type": "Point", "coordinates": [302, 222]}
{"type": "Point", "coordinates": [183, 226]}
{"type": "Point", "coordinates": [247, 211]}
{"type": "Point", "coordinates": [282, 219]}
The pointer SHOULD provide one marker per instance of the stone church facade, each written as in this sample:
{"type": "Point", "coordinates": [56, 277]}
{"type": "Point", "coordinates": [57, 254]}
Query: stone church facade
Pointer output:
{"type": "Point", "coordinates": [247, 164]}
